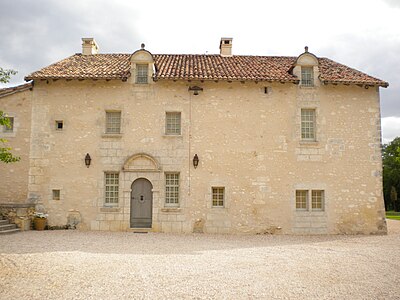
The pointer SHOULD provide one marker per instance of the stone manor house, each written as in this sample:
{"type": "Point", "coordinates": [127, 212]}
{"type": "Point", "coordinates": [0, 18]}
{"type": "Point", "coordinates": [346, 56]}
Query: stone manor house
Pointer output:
{"type": "Point", "coordinates": [197, 143]}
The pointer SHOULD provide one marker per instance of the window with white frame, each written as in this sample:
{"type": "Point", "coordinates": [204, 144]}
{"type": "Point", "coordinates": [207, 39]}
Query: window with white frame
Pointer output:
{"type": "Point", "coordinates": [172, 189]}
{"type": "Point", "coordinates": [218, 196]}
{"type": "Point", "coordinates": [301, 199]}
{"type": "Point", "coordinates": [113, 122]}
{"type": "Point", "coordinates": [308, 124]}
{"type": "Point", "coordinates": [173, 123]}
{"type": "Point", "coordinates": [316, 203]}
{"type": "Point", "coordinates": [317, 200]}
{"type": "Point", "coordinates": [10, 127]}
{"type": "Point", "coordinates": [111, 188]}
{"type": "Point", "coordinates": [142, 73]}
{"type": "Point", "coordinates": [307, 76]}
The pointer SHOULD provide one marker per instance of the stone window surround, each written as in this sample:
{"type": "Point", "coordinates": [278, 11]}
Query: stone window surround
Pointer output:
{"type": "Point", "coordinates": [173, 113]}
{"type": "Point", "coordinates": [8, 134]}
{"type": "Point", "coordinates": [107, 129]}
{"type": "Point", "coordinates": [305, 122]}
{"type": "Point", "coordinates": [216, 191]}
{"type": "Point", "coordinates": [310, 191]}
{"type": "Point", "coordinates": [111, 204]}
{"type": "Point", "coordinates": [307, 78]}
{"type": "Point", "coordinates": [167, 205]}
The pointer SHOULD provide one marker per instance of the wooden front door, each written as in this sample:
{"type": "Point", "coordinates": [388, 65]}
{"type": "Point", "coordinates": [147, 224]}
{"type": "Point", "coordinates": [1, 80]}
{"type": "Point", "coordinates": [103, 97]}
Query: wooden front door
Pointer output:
{"type": "Point", "coordinates": [141, 203]}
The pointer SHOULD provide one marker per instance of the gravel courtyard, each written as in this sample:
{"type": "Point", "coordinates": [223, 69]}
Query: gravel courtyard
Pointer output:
{"type": "Point", "coordinates": [105, 265]}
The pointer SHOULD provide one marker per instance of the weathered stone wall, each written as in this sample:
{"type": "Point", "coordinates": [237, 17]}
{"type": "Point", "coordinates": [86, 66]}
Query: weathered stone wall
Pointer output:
{"type": "Point", "coordinates": [248, 141]}
{"type": "Point", "coordinates": [14, 176]}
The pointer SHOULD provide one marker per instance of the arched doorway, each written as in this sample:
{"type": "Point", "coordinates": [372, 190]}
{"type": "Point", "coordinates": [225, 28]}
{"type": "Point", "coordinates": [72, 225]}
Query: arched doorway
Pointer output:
{"type": "Point", "coordinates": [141, 203]}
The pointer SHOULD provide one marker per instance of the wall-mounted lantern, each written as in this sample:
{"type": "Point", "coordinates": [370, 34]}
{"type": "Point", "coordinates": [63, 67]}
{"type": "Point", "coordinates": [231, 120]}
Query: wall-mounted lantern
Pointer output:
{"type": "Point", "coordinates": [195, 89]}
{"type": "Point", "coordinates": [88, 160]}
{"type": "Point", "coordinates": [195, 161]}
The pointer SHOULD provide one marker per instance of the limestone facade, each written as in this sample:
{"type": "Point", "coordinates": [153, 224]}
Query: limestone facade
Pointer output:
{"type": "Point", "coordinates": [247, 136]}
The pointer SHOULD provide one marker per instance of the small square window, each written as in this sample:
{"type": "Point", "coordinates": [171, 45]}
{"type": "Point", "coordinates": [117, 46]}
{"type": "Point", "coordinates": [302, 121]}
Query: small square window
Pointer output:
{"type": "Point", "coordinates": [218, 196]}
{"type": "Point", "coordinates": [10, 127]}
{"type": "Point", "coordinates": [173, 123]}
{"type": "Point", "coordinates": [59, 125]}
{"type": "Point", "coordinates": [56, 194]}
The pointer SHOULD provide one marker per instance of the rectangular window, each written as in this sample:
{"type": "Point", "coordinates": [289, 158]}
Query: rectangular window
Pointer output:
{"type": "Point", "coordinates": [142, 73]}
{"type": "Point", "coordinates": [301, 199]}
{"type": "Point", "coordinates": [59, 125]}
{"type": "Point", "coordinates": [317, 200]}
{"type": "Point", "coordinates": [171, 189]}
{"type": "Point", "coordinates": [111, 188]}
{"type": "Point", "coordinates": [218, 196]}
{"type": "Point", "coordinates": [113, 122]}
{"type": "Point", "coordinates": [173, 123]}
{"type": "Point", "coordinates": [56, 194]}
{"type": "Point", "coordinates": [307, 76]}
{"type": "Point", "coordinates": [9, 128]}
{"type": "Point", "coordinates": [308, 124]}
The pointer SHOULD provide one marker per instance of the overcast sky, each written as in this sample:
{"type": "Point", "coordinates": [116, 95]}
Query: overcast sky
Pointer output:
{"type": "Point", "coordinates": [363, 34]}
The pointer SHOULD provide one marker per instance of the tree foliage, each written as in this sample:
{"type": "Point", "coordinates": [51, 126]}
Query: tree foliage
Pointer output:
{"type": "Point", "coordinates": [5, 75]}
{"type": "Point", "coordinates": [5, 154]}
{"type": "Point", "coordinates": [391, 174]}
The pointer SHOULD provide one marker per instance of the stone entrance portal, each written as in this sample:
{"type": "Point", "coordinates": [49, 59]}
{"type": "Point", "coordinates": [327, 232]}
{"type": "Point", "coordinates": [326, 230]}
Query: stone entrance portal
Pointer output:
{"type": "Point", "coordinates": [141, 204]}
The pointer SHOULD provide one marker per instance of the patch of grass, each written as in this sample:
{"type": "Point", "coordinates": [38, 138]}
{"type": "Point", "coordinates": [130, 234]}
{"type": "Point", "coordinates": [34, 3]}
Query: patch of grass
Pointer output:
{"type": "Point", "coordinates": [393, 215]}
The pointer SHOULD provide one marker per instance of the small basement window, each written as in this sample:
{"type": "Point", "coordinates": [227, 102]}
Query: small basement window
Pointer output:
{"type": "Point", "coordinates": [56, 194]}
{"type": "Point", "coordinates": [59, 125]}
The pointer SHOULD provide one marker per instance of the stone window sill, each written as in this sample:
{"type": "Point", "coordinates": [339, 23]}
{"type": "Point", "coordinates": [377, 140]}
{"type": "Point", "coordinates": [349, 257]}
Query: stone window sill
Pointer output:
{"type": "Point", "coordinates": [171, 209]}
{"type": "Point", "coordinates": [309, 143]}
{"type": "Point", "coordinates": [172, 135]}
{"type": "Point", "coordinates": [112, 135]}
{"type": "Point", "coordinates": [110, 209]}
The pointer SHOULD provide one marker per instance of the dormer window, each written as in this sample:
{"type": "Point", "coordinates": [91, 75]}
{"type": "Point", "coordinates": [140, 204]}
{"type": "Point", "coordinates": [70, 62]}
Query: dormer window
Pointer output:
{"type": "Point", "coordinates": [142, 73]}
{"type": "Point", "coordinates": [307, 76]}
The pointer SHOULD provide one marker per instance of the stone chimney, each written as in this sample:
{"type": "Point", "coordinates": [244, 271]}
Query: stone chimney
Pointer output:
{"type": "Point", "coordinates": [225, 47]}
{"type": "Point", "coordinates": [89, 46]}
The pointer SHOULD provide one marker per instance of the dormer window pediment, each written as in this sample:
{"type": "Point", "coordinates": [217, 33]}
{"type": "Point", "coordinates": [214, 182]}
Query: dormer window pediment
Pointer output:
{"type": "Point", "coordinates": [306, 69]}
{"type": "Point", "coordinates": [142, 66]}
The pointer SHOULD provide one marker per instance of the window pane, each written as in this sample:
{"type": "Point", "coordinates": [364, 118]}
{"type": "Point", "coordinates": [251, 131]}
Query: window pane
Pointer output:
{"type": "Point", "coordinates": [172, 188]}
{"type": "Point", "coordinates": [218, 194]}
{"type": "Point", "coordinates": [301, 199]}
{"type": "Point", "coordinates": [307, 76]}
{"type": "Point", "coordinates": [308, 124]}
{"type": "Point", "coordinates": [173, 123]}
{"type": "Point", "coordinates": [141, 73]}
{"type": "Point", "coordinates": [111, 188]}
{"type": "Point", "coordinates": [113, 122]}
{"type": "Point", "coordinates": [317, 199]}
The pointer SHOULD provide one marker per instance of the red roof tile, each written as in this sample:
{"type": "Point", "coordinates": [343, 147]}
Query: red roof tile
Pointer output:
{"type": "Point", "coordinates": [200, 67]}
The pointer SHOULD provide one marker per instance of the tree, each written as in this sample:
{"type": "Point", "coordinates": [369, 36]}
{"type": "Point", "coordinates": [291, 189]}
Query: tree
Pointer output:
{"type": "Point", "coordinates": [5, 75]}
{"type": "Point", "coordinates": [5, 154]}
{"type": "Point", "coordinates": [391, 174]}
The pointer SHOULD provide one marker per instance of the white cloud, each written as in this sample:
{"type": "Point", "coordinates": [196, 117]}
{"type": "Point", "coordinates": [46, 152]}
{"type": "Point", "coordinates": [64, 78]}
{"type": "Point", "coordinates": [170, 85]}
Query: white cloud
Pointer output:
{"type": "Point", "coordinates": [390, 129]}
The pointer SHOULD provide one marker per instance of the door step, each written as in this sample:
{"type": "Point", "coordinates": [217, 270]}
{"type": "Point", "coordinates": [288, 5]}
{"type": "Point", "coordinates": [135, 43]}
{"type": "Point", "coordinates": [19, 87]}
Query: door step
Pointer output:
{"type": "Point", "coordinates": [139, 230]}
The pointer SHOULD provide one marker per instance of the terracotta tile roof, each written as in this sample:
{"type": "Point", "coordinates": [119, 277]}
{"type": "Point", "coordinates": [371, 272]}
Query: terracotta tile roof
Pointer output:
{"type": "Point", "coordinates": [15, 89]}
{"type": "Point", "coordinates": [200, 67]}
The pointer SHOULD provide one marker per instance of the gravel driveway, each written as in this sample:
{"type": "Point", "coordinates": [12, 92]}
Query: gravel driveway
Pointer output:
{"type": "Point", "coordinates": [105, 265]}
